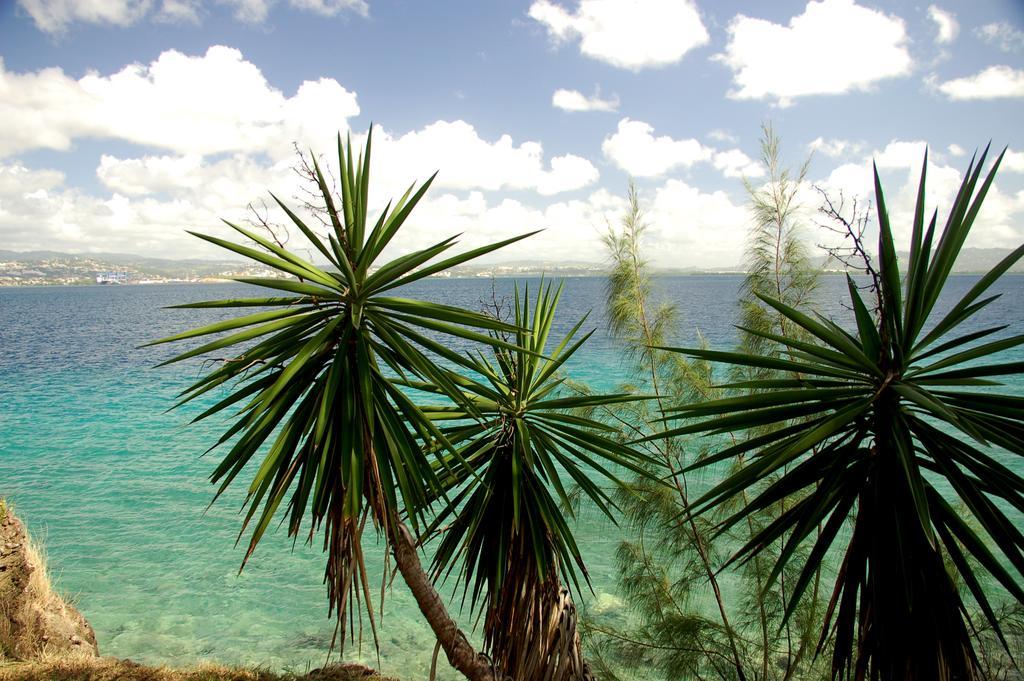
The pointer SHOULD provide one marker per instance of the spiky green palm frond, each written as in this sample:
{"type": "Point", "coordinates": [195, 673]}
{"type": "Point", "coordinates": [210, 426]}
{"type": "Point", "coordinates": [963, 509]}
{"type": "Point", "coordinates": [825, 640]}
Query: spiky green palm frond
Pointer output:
{"type": "Point", "coordinates": [884, 426]}
{"type": "Point", "coordinates": [312, 388]}
{"type": "Point", "coordinates": [507, 530]}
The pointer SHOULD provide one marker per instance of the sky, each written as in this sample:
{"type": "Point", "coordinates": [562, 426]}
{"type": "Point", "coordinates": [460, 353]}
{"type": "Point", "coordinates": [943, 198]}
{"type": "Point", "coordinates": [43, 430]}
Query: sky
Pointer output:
{"type": "Point", "coordinates": [124, 123]}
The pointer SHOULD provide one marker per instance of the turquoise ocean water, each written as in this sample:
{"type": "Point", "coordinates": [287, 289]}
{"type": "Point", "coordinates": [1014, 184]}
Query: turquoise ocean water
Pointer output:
{"type": "Point", "coordinates": [116, 488]}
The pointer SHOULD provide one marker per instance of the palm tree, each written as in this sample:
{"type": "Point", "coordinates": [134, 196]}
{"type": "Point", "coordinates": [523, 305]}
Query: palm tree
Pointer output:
{"type": "Point", "coordinates": [883, 428]}
{"type": "Point", "coordinates": [505, 530]}
{"type": "Point", "coordinates": [317, 378]}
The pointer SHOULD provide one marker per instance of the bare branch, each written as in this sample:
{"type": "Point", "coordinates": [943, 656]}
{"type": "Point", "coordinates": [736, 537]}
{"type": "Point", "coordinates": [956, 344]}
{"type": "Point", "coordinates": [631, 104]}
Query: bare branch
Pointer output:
{"type": "Point", "coordinates": [259, 218]}
{"type": "Point", "coordinates": [310, 196]}
{"type": "Point", "coordinates": [852, 252]}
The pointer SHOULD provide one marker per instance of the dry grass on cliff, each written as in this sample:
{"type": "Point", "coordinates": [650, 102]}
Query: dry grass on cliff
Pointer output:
{"type": "Point", "coordinates": [39, 590]}
{"type": "Point", "coordinates": [34, 618]}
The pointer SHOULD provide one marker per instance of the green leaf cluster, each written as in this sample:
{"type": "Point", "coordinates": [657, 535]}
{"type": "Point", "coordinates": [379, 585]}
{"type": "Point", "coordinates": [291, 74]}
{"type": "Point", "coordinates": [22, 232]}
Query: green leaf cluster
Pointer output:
{"type": "Point", "coordinates": [888, 427]}
{"type": "Point", "coordinates": [316, 390]}
{"type": "Point", "coordinates": [354, 407]}
{"type": "Point", "coordinates": [524, 440]}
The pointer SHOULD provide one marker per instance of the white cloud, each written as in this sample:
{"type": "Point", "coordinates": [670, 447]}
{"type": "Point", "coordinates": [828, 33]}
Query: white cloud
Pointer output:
{"type": "Point", "coordinates": [567, 173]}
{"type": "Point", "coordinates": [720, 135]}
{"type": "Point", "coordinates": [574, 100]}
{"type": "Point", "coordinates": [995, 82]}
{"type": "Point", "coordinates": [635, 149]}
{"type": "Point", "coordinates": [1002, 35]}
{"type": "Point", "coordinates": [956, 150]}
{"type": "Point", "coordinates": [214, 135]}
{"type": "Point", "coordinates": [901, 154]}
{"type": "Point", "coordinates": [154, 199]}
{"type": "Point", "coordinates": [179, 12]}
{"type": "Point", "coordinates": [51, 216]}
{"type": "Point", "coordinates": [201, 105]}
{"type": "Point", "coordinates": [150, 174]}
{"type": "Point", "coordinates": [467, 161]}
{"type": "Point", "coordinates": [220, 103]}
{"type": "Point", "coordinates": [734, 163]}
{"type": "Point", "coordinates": [54, 16]}
{"type": "Point", "coordinates": [946, 25]}
{"type": "Point", "coordinates": [833, 148]}
{"type": "Point", "coordinates": [249, 11]}
{"type": "Point", "coordinates": [1013, 162]}
{"type": "Point", "coordinates": [571, 228]}
{"type": "Point", "coordinates": [853, 179]}
{"type": "Point", "coordinates": [629, 34]}
{"type": "Point", "coordinates": [222, 187]}
{"type": "Point", "coordinates": [835, 46]}
{"type": "Point", "coordinates": [195, 107]}
{"type": "Point", "coordinates": [17, 178]}
{"type": "Point", "coordinates": [689, 227]}
{"type": "Point", "coordinates": [331, 8]}
{"type": "Point", "coordinates": [998, 224]}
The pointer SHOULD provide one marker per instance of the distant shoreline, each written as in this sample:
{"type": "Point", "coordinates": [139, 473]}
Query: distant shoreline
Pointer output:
{"type": "Point", "coordinates": [53, 268]}
{"type": "Point", "coordinates": [466, 277]}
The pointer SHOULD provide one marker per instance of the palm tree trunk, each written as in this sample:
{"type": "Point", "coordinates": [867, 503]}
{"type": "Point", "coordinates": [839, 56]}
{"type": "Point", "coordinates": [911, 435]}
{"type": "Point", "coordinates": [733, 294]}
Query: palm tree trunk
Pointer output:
{"type": "Point", "coordinates": [531, 627]}
{"type": "Point", "coordinates": [461, 654]}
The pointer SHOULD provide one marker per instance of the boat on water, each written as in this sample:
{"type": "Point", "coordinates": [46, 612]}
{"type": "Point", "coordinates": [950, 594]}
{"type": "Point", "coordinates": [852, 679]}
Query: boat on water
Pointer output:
{"type": "Point", "coordinates": [112, 278]}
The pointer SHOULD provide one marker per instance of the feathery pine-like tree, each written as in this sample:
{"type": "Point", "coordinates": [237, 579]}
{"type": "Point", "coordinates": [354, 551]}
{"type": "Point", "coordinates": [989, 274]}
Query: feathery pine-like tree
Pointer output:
{"type": "Point", "coordinates": [668, 566]}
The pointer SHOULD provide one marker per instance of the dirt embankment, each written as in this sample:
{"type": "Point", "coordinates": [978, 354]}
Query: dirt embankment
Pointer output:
{"type": "Point", "coordinates": [34, 620]}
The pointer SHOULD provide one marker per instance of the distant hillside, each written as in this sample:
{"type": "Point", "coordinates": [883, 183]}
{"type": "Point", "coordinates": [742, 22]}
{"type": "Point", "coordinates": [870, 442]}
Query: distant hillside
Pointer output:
{"type": "Point", "coordinates": [161, 266]}
{"type": "Point", "coordinates": [40, 268]}
{"type": "Point", "coordinates": [980, 260]}
{"type": "Point", "coordinates": [971, 261]}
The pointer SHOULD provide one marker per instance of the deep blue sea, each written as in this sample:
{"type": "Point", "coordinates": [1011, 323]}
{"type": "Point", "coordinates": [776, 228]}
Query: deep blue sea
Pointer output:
{"type": "Point", "coordinates": [116, 488]}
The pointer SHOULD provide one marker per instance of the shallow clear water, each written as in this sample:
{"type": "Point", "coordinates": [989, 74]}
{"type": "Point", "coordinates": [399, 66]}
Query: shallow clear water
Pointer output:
{"type": "Point", "coordinates": [117, 489]}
